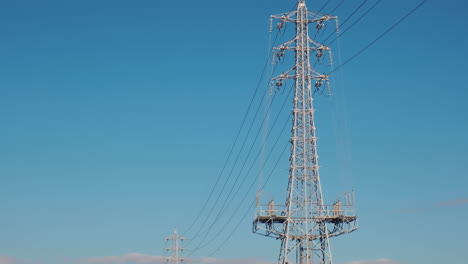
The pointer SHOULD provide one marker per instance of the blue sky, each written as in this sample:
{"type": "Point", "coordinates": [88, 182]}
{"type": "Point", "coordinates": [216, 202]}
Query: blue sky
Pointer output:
{"type": "Point", "coordinates": [117, 117]}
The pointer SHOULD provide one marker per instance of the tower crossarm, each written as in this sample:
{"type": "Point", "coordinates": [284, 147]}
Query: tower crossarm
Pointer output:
{"type": "Point", "coordinates": [312, 75]}
{"type": "Point", "coordinates": [291, 46]}
{"type": "Point", "coordinates": [312, 17]}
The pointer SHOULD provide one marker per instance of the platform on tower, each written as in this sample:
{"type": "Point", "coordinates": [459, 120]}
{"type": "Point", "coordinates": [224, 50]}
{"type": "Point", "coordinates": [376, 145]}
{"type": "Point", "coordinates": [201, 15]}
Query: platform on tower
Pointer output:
{"type": "Point", "coordinates": [336, 213]}
{"type": "Point", "coordinates": [271, 213]}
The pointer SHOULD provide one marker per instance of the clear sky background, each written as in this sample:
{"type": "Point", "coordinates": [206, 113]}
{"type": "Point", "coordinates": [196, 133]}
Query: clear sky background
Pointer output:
{"type": "Point", "coordinates": [117, 116]}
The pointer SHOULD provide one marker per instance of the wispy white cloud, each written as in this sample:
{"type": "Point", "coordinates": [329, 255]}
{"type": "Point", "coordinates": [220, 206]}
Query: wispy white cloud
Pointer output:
{"type": "Point", "coordinates": [137, 258]}
{"type": "Point", "coordinates": [377, 261]}
{"type": "Point", "coordinates": [229, 261]}
{"type": "Point", "coordinates": [128, 258]}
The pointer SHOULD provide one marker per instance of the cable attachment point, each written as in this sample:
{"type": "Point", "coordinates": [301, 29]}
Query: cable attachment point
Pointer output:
{"type": "Point", "coordinates": [280, 53]}
{"type": "Point", "coordinates": [319, 54]}
{"type": "Point", "coordinates": [280, 24]}
{"type": "Point", "coordinates": [320, 25]}
{"type": "Point", "coordinates": [318, 83]}
{"type": "Point", "coordinates": [279, 83]}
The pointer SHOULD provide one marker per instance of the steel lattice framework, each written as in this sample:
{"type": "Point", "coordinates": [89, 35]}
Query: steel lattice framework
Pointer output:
{"type": "Point", "coordinates": [304, 224]}
{"type": "Point", "coordinates": [175, 248]}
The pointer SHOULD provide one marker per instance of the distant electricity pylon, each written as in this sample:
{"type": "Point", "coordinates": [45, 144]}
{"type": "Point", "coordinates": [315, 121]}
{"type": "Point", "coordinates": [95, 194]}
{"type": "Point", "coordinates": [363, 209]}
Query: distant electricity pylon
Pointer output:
{"type": "Point", "coordinates": [304, 224]}
{"type": "Point", "coordinates": [175, 249]}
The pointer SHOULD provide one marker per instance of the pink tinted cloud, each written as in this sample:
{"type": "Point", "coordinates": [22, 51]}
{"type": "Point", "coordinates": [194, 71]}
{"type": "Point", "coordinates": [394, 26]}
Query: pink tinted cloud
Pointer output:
{"type": "Point", "coordinates": [419, 210]}
{"type": "Point", "coordinates": [128, 258]}
{"type": "Point", "coordinates": [9, 260]}
{"type": "Point", "coordinates": [138, 258]}
{"type": "Point", "coordinates": [377, 261]}
{"type": "Point", "coordinates": [454, 202]}
{"type": "Point", "coordinates": [229, 261]}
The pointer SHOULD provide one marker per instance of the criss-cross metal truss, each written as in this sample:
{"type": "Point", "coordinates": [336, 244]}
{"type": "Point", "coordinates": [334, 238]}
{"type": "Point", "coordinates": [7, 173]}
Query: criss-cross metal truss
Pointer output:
{"type": "Point", "coordinates": [175, 249]}
{"type": "Point", "coordinates": [304, 224]}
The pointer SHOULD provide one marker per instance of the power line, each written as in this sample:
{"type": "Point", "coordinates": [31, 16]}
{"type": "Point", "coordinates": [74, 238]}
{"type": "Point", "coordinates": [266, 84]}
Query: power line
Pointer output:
{"type": "Point", "coordinates": [237, 178]}
{"type": "Point", "coordinates": [235, 140]}
{"type": "Point", "coordinates": [354, 12]}
{"type": "Point", "coordinates": [380, 36]}
{"type": "Point", "coordinates": [222, 210]}
{"type": "Point", "coordinates": [355, 22]}
{"type": "Point", "coordinates": [324, 5]}
{"type": "Point", "coordinates": [337, 6]}
{"type": "Point", "coordinates": [253, 203]}
{"type": "Point", "coordinates": [227, 180]}
{"type": "Point", "coordinates": [231, 217]}
{"type": "Point", "coordinates": [239, 153]}
{"type": "Point", "coordinates": [320, 10]}
{"type": "Point", "coordinates": [347, 19]}
{"type": "Point", "coordinates": [229, 175]}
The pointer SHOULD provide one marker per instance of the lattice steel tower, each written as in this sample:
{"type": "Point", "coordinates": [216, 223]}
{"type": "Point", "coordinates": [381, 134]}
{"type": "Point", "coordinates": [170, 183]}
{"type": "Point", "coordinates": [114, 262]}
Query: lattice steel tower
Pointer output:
{"type": "Point", "coordinates": [304, 224]}
{"type": "Point", "coordinates": [175, 248]}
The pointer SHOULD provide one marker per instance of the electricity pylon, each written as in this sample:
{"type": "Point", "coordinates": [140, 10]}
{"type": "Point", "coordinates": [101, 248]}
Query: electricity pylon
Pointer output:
{"type": "Point", "coordinates": [175, 249]}
{"type": "Point", "coordinates": [304, 224]}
